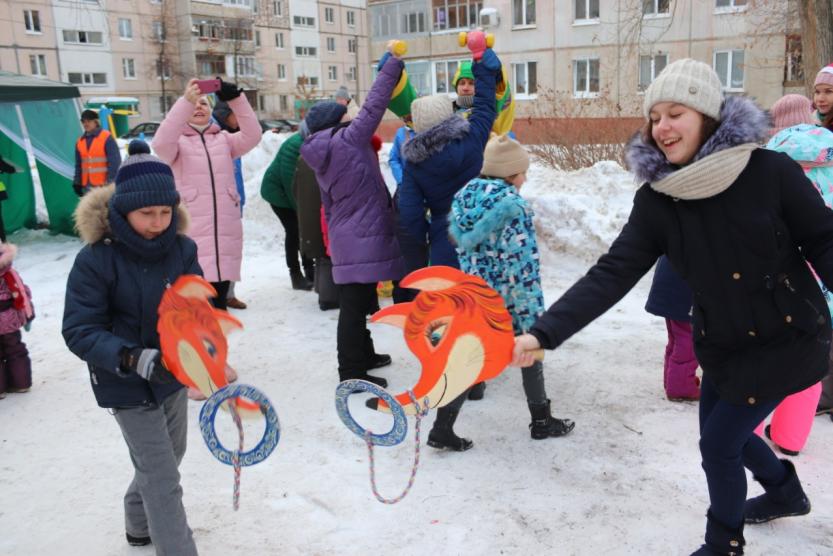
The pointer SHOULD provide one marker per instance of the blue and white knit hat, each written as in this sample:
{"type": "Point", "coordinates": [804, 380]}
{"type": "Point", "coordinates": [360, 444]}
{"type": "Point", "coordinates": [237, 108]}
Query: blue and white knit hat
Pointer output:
{"type": "Point", "coordinates": [143, 181]}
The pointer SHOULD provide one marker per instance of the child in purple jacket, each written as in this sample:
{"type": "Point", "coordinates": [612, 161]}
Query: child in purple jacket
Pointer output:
{"type": "Point", "coordinates": [15, 313]}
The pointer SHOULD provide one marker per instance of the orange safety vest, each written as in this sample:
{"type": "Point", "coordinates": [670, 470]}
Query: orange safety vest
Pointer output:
{"type": "Point", "coordinates": [94, 159]}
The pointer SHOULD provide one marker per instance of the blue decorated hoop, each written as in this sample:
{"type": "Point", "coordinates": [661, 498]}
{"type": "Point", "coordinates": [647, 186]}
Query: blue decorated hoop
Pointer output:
{"type": "Point", "coordinates": [271, 434]}
{"type": "Point", "coordinates": [394, 436]}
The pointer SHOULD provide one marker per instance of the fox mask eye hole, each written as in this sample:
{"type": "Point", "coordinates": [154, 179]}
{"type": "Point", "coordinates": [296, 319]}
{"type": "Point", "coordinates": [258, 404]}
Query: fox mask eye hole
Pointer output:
{"type": "Point", "coordinates": [209, 347]}
{"type": "Point", "coordinates": [435, 333]}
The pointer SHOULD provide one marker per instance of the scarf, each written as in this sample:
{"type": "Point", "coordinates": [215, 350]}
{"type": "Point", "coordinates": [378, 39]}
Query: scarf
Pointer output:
{"type": "Point", "coordinates": [708, 176]}
{"type": "Point", "coordinates": [144, 249]}
{"type": "Point", "coordinates": [20, 297]}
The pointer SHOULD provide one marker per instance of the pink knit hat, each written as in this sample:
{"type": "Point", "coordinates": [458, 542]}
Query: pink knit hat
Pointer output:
{"type": "Point", "coordinates": [825, 75]}
{"type": "Point", "coordinates": [791, 110]}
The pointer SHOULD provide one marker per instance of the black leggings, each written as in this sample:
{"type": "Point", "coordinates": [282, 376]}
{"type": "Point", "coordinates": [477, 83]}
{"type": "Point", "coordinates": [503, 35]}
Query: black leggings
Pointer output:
{"type": "Point", "coordinates": [221, 301]}
{"type": "Point", "coordinates": [291, 244]}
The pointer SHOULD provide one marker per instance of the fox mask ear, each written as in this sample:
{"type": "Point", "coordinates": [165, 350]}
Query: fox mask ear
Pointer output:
{"type": "Point", "coordinates": [191, 285]}
{"type": "Point", "coordinates": [395, 315]}
{"type": "Point", "coordinates": [227, 322]}
{"type": "Point", "coordinates": [434, 278]}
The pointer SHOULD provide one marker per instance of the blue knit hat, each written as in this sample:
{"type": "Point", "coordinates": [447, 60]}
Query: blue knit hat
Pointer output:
{"type": "Point", "coordinates": [323, 115]}
{"type": "Point", "coordinates": [143, 181]}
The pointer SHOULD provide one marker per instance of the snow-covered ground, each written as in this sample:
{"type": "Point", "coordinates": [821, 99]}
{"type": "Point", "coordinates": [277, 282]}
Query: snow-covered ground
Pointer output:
{"type": "Point", "coordinates": [626, 481]}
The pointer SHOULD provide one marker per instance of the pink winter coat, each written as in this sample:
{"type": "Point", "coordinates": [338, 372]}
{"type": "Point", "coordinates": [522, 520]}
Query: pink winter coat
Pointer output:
{"type": "Point", "coordinates": [204, 173]}
{"type": "Point", "coordinates": [13, 314]}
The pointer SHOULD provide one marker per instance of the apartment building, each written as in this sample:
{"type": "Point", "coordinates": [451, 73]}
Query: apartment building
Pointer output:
{"type": "Point", "coordinates": [594, 58]}
{"type": "Point", "coordinates": [148, 49]}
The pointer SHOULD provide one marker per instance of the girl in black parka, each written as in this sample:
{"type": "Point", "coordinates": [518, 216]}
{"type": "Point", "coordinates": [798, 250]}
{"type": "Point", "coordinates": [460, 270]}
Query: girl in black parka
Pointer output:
{"type": "Point", "coordinates": [737, 223]}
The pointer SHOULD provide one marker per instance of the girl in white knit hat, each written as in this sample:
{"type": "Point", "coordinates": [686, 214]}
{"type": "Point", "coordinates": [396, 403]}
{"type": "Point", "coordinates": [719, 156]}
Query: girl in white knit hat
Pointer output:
{"type": "Point", "coordinates": [736, 222]}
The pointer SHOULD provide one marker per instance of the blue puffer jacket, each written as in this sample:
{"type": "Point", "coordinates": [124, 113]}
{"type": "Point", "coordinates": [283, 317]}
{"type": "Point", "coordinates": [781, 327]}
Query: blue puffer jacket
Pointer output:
{"type": "Point", "coordinates": [395, 161]}
{"type": "Point", "coordinates": [440, 161]}
{"type": "Point", "coordinates": [112, 299]}
{"type": "Point", "coordinates": [492, 226]}
{"type": "Point", "coordinates": [670, 297]}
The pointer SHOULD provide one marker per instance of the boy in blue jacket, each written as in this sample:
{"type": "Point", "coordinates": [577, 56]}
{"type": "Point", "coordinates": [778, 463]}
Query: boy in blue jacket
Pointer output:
{"type": "Point", "coordinates": [492, 227]}
{"type": "Point", "coordinates": [136, 247]}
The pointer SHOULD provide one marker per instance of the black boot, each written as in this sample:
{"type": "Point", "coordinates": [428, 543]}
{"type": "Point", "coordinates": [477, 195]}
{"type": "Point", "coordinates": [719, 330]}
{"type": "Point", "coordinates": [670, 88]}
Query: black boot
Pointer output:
{"type": "Point", "coordinates": [378, 360]}
{"type": "Point", "coordinates": [137, 541]}
{"type": "Point", "coordinates": [784, 499]}
{"type": "Point", "coordinates": [477, 391]}
{"type": "Point", "coordinates": [309, 273]}
{"type": "Point", "coordinates": [377, 380]}
{"type": "Point", "coordinates": [544, 425]}
{"type": "Point", "coordinates": [442, 433]}
{"type": "Point", "coordinates": [720, 539]}
{"type": "Point", "coordinates": [298, 281]}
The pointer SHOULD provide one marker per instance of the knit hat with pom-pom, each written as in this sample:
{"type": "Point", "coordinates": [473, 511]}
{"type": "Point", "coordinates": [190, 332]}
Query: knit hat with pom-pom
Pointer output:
{"type": "Point", "coordinates": [143, 181]}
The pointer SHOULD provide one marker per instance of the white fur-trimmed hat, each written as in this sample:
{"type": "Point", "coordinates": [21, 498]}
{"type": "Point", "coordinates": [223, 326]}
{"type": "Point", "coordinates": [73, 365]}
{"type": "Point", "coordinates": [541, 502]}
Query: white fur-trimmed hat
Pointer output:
{"type": "Point", "coordinates": [687, 82]}
{"type": "Point", "coordinates": [426, 112]}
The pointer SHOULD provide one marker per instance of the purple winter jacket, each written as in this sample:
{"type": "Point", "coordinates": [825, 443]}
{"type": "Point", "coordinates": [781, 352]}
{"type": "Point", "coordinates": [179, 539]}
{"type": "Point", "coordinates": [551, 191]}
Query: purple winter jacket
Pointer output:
{"type": "Point", "coordinates": [356, 201]}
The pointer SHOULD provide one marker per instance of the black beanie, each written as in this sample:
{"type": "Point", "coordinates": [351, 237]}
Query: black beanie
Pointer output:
{"type": "Point", "coordinates": [143, 181]}
{"type": "Point", "coordinates": [89, 115]}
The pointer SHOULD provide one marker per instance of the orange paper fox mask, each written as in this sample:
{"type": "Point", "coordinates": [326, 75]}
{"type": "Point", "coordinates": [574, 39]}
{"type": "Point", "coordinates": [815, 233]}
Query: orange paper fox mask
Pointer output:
{"type": "Point", "coordinates": [459, 329]}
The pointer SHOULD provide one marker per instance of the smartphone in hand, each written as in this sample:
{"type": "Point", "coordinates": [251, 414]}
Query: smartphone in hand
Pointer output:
{"type": "Point", "coordinates": [208, 85]}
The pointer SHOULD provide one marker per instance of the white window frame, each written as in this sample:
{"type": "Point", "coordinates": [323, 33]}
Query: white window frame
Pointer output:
{"type": "Point", "coordinates": [586, 20]}
{"type": "Point", "coordinates": [277, 8]}
{"type": "Point", "coordinates": [163, 70]}
{"type": "Point", "coordinates": [31, 19]}
{"type": "Point", "coordinates": [655, 13]}
{"type": "Point", "coordinates": [654, 72]}
{"type": "Point", "coordinates": [37, 63]}
{"type": "Point", "coordinates": [525, 24]}
{"type": "Point", "coordinates": [281, 72]}
{"type": "Point", "coordinates": [283, 103]}
{"type": "Point", "coordinates": [125, 29]}
{"type": "Point", "coordinates": [306, 51]}
{"type": "Point", "coordinates": [436, 27]}
{"type": "Point", "coordinates": [587, 93]}
{"type": "Point", "coordinates": [351, 18]}
{"type": "Point", "coordinates": [351, 73]}
{"type": "Point", "coordinates": [729, 63]}
{"type": "Point", "coordinates": [732, 7]}
{"type": "Point", "coordinates": [87, 78]}
{"type": "Point", "coordinates": [257, 38]}
{"type": "Point", "coordinates": [352, 45]}
{"type": "Point", "coordinates": [516, 83]}
{"type": "Point", "coordinates": [128, 68]}
{"type": "Point", "coordinates": [279, 41]}
{"type": "Point", "coordinates": [452, 92]}
{"type": "Point", "coordinates": [158, 31]}
{"type": "Point", "coordinates": [329, 15]}
{"type": "Point", "coordinates": [303, 21]}
{"type": "Point", "coordinates": [418, 26]}
{"type": "Point", "coordinates": [332, 73]}
{"type": "Point", "coordinates": [78, 34]}
{"type": "Point", "coordinates": [245, 66]}
{"type": "Point", "coordinates": [331, 44]}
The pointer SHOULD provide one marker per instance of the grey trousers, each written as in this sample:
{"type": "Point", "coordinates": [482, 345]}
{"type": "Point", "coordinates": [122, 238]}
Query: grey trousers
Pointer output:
{"type": "Point", "coordinates": [156, 437]}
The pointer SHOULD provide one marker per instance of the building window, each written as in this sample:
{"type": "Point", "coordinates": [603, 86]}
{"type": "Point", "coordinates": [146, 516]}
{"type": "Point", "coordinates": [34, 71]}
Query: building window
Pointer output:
{"type": "Point", "coordinates": [525, 77]}
{"type": "Point", "coordinates": [32, 20]}
{"type": "Point", "coordinates": [277, 7]}
{"type": "Point", "coordinates": [308, 51]}
{"type": "Point", "coordinates": [128, 68]}
{"type": "Point", "coordinates": [332, 73]}
{"type": "Point", "coordinates": [729, 67]}
{"type": "Point", "coordinates": [794, 67]}
{"type": "Point", "coordinates": [351, 73]}
{"type": "Point", "coordinates": [125, 29]}
{"type": "Point", "coordinates": [586, 77]}
{"type": "Point", "coordinates": [308, 80]}
{"type": "Point", "coordinates": [351, 18]}
{"type": "Point", "coordinates": [331, 44]}
{"type": "Point", "coordinates": [302, 21]}
{"type": "Point", "coordinates": [587, 10]}
{"type": "Point", "coordinates": [79, 78]}
{"type": "Point", "coordinates": [329, 15]}
{"type": "Point", "coordinates": [352, 45]}
{"type": "Point", "coordinates": [165, 103]}
{"type": "Point", "coordinates": [649, 68]}
{"type": "Point", "coordinates": [245, 66]}
{"type": "Point", "coordinates": [456, 14]}
{"type": "Point", "coordinates": [261, 103]}
{"type": "Point", "coordinates": [444, 76]}
{"type": "Point", "coordinates": [281, 72]}
{"type": "Point", "coordinates": [257, 39]}
{"type": "Point", "coordinates": [38, 64]}
{"type": "Point", "coordinates": [72, 36]}
{"type": "Point", "coordinates": [413, 22]}
{"type": "Point", "coordinates": [523, 12]}
{"type": "Point", "coordinates": [284, 103]}
{"type": "Point", "coordinates": [163, 69]}
{"type": "Point", "coordinates": [279, 40]}
{"type": "Point", "coordinates": [158, 31]}
{"type": "Point", "coordinates": [655, 7]}
{"type": "Point", "coordinates": [211, 65]}
{"type": "Point", "coordinates": [730, 5]}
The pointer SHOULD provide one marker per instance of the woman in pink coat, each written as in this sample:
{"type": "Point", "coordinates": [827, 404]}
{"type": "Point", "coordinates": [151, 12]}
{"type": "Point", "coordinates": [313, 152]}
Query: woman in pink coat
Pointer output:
{"type": "Point", "coordinates": [201, 156]}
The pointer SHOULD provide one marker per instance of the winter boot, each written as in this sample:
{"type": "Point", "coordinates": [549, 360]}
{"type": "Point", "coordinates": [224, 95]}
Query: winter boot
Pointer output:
{"type": "Point", "coordinates": [721, 540]}
{"type": "Point", "coordinates": [309, 273]}
{"type": "Point", "coordinates": [784, 499]}
{"type": "Point", "coordinates": [137, 541]}
{"type": "Point", "coordinates": [442, 433]}
{"type": "Point", "coordinates": [544, 425]}
{"type": "Point", "coordinates": [378, 360]}
{"type": "Point", "coordinates": [477, 391]}
{"type": "Point", "coordinates": [298, 281]}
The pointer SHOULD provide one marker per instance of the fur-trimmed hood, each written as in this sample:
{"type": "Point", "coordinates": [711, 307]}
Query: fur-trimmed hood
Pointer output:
{"type": "Point", "coordinates": [483, 207]}
{"type": "Point", "coordinates": [91, 215]}
{"type": "Point", "coordinates": [741, 121]}
{"type": "Point", "coordinates": [433, 140]}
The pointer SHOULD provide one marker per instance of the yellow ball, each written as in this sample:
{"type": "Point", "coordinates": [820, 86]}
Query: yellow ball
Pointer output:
{"type": "Point", "coordinates": [462, 37]}
{"type": "Point", "coordinates": [490, 40]}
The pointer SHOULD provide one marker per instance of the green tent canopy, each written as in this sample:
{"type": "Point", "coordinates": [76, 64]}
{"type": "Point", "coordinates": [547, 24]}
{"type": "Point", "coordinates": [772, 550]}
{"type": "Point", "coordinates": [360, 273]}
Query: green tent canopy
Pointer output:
{"type": "Point", "coordinates": [39, 116]}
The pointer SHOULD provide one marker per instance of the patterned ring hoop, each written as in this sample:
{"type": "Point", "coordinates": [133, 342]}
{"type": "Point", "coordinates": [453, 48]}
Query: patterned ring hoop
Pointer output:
{"type": "Point", "coordinates": [271, 434]}
{"type": "Point", "coordinates": [394, 436]}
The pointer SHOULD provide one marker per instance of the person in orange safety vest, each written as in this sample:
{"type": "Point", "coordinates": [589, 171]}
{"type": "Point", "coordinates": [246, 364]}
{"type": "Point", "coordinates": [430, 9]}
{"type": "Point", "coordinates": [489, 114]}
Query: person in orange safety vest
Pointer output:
{"type": "Point", "coordinates": [97, 156]}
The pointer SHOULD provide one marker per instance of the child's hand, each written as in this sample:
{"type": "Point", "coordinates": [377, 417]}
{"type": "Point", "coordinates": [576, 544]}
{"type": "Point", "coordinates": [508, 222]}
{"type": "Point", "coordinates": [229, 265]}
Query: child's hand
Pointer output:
{"type": "Point", "coordinates": [490, 60]}
{"type": "Point", "coordinates": [147, 363]}
{"type": "Point", "coordinates": [524, 353]}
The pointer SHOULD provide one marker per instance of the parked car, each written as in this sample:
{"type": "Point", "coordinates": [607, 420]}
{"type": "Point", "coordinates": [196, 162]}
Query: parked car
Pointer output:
{"type": "Point", "coordinates": [279, 125]}
{"type": "Point", "coordinates": [148, 128]}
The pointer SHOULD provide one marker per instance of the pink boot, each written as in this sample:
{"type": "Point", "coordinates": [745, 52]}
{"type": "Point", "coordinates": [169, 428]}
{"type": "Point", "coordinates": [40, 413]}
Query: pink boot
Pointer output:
{"type": "Point", "coordinates": [681, 382]}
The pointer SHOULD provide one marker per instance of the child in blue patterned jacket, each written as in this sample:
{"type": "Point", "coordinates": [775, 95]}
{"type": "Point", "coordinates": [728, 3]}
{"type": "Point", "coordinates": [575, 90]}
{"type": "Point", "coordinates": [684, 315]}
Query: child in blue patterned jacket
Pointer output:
{"type": "Point", "coordinates": [491, 225]}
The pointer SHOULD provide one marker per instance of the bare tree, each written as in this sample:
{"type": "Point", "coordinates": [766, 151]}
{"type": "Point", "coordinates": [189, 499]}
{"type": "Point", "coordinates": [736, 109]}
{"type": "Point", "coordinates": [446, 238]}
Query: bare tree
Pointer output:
{"type": "Point", "coordinates": [306, 93]}
{"type": "Point", "coordinates": [817, 37]}
{"type": "Point", "coordinates": [166, 63]}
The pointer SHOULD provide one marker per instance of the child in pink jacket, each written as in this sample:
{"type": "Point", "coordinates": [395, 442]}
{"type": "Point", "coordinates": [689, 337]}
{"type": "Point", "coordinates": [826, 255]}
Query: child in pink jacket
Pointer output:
{"type": "Point", "coordinates": [15, 313]}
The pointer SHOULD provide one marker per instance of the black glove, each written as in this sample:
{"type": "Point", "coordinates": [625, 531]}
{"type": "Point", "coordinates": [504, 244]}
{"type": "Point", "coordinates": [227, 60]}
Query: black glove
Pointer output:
{"type": "Point", "coordinates": [147, 363]}
{"type": "Point", "coordinates": [79, 189]}
{"type": "Point", "coordinates": [228, 91]}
